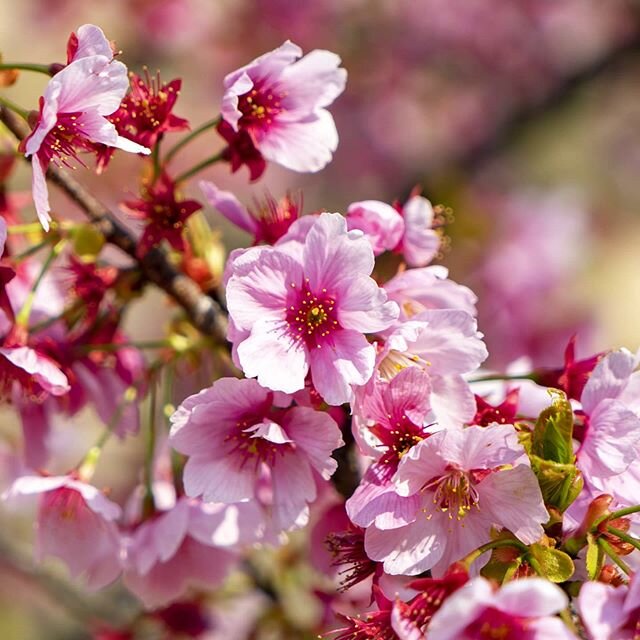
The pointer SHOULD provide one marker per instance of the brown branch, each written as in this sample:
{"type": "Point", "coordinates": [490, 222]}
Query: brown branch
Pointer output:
{"type": "Point", "coordinates": [205, 312]}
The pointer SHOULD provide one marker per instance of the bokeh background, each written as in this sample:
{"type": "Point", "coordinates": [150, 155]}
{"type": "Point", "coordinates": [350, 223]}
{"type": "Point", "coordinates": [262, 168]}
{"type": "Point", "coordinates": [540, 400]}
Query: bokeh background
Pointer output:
{"type": "Point", "coordinates": [523, 116]}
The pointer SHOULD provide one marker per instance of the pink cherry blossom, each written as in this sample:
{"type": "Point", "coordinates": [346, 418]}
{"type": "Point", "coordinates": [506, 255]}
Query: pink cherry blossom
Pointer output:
{"type": "Point", "coordinates": [446, 344]}
{"type": "Point", "coordinates": [416, 290]}
{"type": "Point", "coordinates": [72, 117]}
{"type": "Point", "coordinates": [388, 423]}
{"type": "Point", "coordinates": [420, 243]}
{"type": "Point", "coordinates": [381, 224]}
{"type": "Point", "coordinates": [610, 439]}
{"type": "Point", "coordinates": [610, 613]}
{"type": "Point", "coordinates": [76, 523]}
{"type": "Point", "coordinates": [242, 448]}
{"type": "Point", "coordinates": [464, 482]}
{"type": "Point", "coordinates": [280, 99]}
{"type": "Point", "coordinates": [520, 610]}
{"type": "Point", "coordinates": [189, 544]}
{"type": "Point", "coordinates": [304, 307]}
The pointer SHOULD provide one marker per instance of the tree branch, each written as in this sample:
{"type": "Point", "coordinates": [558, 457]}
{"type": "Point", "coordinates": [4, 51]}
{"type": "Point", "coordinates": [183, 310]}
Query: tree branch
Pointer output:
{"type": "Point", "coordinates": [205, 312]}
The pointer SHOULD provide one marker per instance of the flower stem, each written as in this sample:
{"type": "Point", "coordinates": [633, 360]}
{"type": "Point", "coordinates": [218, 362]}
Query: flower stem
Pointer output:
{"type": "Point", "coordinates": [624, 536]}
{"type": "Point", "coordinates": [199, 167]}
{"type": "Point", "coordinates": [606, 547]}
{"type": "Point", "coordinates": [621, 513]}
{"type": "Point", "coordinates": [494, 544]}
{"type": "Point", "coordinates": [23, 66]}
{"type": "Point", "coordinates": [191, 136]}
{"type": "Point", "coordinates": [149, 503]}
{"type": "Point", "coordinates": [499, 377]}
{"type": "Point", "coordinates": [23, 113]}
{"type": "Point", "coordinates": [22, 319]}
{"type": "Point", "coordinates": [116, 346]}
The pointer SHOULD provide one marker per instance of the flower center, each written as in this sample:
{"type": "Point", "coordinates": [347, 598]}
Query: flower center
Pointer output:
{"type": "Point", "coordinates": [454, 493]}
{"type": "Point", "coordinates": [312, 317]}
{"type": "Point", "coordinates": [494, 624]}
{"type": "Point", "coordinates": [260, 106]}
{"type": "Point", "coordinates": [259, 440]}
{"type": "Point", "coordinates": [395, 361]}
{"type": "Point", "coordinates": [65, 139]}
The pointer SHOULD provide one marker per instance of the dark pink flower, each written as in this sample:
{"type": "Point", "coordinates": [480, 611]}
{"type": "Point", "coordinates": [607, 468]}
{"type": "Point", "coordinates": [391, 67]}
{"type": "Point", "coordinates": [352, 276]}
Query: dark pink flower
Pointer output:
{"type": "Point", "coordinates": [164, 213]}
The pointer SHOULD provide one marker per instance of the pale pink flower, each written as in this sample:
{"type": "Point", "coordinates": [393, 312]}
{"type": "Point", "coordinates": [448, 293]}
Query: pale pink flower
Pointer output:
{"type": "Point", "coordinates": [610, 613]}
{"type": "Point", "coordinates": [243, 448]}
{"type": "Point", "coordinates": [390, 419]}
{"type": "Point", "coordinates": [381, 224]}
{"type": "Point", "coordinates": [304, 307]}
{"type": "Point", "coordinates": [520, 610]}
{"type": "Point", "coordinates": [75, 523]}
{"type": "Point", "coordinates": [279, 99]}
{"type": "Point", "coordinates": [464, 482]}
{"type": "Point", "coordinates": [189, 544]}
{"type": "Point", "coordinates": [610, 440]}
{"type": "Point", "coordinates": [420, 243]}
{"type": "Point", "coordinates": [446, 344]}
{"type": "Point", "coordinates": [416, 290]}
{"type": "Point", "coordinates": [73, 114]}
{"type": "Point", "coordinates": [88, 40]}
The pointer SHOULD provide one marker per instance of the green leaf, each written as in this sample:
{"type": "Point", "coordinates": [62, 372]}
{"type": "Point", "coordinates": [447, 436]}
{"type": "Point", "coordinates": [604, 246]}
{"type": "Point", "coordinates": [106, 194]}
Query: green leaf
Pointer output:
{"type": "Point", "coordinates": [559, 483]}
{"type": "Point", "coordinates": [553, 433]}
{"type": "Point", "coordinates": [594, 559]}
{"type": "Point", "coordinates": [555, 565]}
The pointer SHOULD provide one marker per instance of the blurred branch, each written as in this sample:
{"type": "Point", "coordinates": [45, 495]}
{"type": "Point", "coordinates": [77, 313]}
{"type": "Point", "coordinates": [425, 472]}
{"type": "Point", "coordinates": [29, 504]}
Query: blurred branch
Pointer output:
{"type": "Point", "coordinates": [520, 119]}
{"type": "Point", "coordinates": [205, 311]}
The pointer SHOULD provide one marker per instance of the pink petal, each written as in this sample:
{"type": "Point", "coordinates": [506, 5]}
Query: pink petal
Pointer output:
{"type": "Point", "coordinates": [260, 287]}
{"type": "Point", "coordinates": [381, 224]}
{"type": "Point", "coordinates": [346, 358]}
{"type": "Point", "coordinates": [305, 146]}
{"type": "Point", "coordinates": [452, 400]}
{"type": "Point", "coordinates": [513, 499]}
{"type": "Point", "coordinates": [608, 379]}
{"type": "Point", "coordinates": [293, 489]}
{"type": "Point", "coordinates": [601, 609]}
{"type": "Point", "coordinates": [229, 206]}
{"type": "Point", "coordinates": [92, 42]}
{"type": "Point", "coordinates": [460, 609]}
{"type": "Point", "coordinates": [530, 598]}
{"type": "Point", "coordinates": [276, 358]}
{"type": "Point", "coordinates": [218, 480]}
{"type": "Point", "coordinates": [40, 192]}
{"type": "Point", "coordinates": [420, 243]}
{"type": "Point", "coordinates": [363, 306]}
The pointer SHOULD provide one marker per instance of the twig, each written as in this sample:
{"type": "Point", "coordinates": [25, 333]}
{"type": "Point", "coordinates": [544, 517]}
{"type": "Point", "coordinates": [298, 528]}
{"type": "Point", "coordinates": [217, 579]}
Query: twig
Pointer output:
{"type": "Point", "coordinates": [205, 312]}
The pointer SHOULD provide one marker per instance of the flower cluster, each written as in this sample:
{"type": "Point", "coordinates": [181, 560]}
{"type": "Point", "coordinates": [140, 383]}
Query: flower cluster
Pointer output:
{"type": "Point", "coordinates": [347, 396]}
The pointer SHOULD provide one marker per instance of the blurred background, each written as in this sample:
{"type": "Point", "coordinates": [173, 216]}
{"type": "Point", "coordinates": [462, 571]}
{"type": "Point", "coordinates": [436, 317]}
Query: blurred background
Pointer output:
{"type": "Point", "coordinates": [523, 116]}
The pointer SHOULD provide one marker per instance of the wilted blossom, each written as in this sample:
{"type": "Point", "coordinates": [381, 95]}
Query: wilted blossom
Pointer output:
{"type": "Point", "coordinates": [520, 610]}
{"type": "Point", "coordinates": [461, 483]}
{"type": "Point", "coordinates": [279, 99]}
{"type": "Point", "coordinates": [75, 523]}
{"type": "Point", "coordinates": [243, 448]}
{"type": "Point", "coordinates": [300, 311]}
{"type": "Point", "coordinates": [73, 114]}
{"type": "Point", "coordinates": [164, 213]}
{"type": "Point", "coordinates": [267, 221]}
{"type": "Point", "coordinates": [608, 612]}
